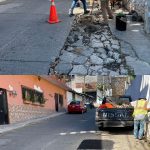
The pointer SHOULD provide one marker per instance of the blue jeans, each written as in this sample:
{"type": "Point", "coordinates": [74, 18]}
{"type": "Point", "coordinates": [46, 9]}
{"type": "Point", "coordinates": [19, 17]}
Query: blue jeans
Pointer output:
{"type": "Point", "coordinates": [139, 128]}
{"type": "Point", "coordinates": [73, 5]}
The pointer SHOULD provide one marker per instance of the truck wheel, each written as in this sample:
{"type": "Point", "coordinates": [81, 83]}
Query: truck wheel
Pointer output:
{"type": "Point", "coordinates": [100, 127]}
{"type": "Point", "coordinates": [130, 128]}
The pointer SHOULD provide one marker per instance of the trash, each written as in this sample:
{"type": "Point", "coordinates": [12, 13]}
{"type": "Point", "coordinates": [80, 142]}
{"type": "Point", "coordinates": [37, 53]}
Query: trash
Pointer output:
{"type": "Point", "coordinates": [121, 22]}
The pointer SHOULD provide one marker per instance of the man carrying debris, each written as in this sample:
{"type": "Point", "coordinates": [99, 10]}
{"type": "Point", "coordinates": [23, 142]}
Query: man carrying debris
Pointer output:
{"type": "Point", "coordinates": [106, 103]}
{"type": "Point", "coordinates": [140, 114]}
{"type": "Point", "coordinates": [73, 5]}
{"type": "Point", "coordinates": [106, 10]}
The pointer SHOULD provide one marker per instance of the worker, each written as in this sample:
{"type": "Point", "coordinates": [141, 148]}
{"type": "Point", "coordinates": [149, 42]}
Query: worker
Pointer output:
{"type": "Point", "coordinates": [78, 4]}
{"type": "Point", "coordinates": [73, 5]}
{"type": "Point", "coordinates": [140, 114]}
{"type": "Point", "coordinates": [106, 104]}
{"type": "Point", "coordinates": [106, 10]}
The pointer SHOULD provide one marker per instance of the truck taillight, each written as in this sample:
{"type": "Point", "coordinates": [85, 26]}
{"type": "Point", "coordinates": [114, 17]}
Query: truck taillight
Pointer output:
{"type": "Point", "coordinates": [96, 115]}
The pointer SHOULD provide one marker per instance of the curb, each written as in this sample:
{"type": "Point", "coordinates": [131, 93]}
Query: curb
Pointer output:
{"type": "Point", "coordinates": [20, 125]}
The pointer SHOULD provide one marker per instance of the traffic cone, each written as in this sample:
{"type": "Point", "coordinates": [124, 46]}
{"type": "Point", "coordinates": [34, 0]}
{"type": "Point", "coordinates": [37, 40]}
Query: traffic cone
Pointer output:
{"type": "Point", "coordinates": [53, 18]}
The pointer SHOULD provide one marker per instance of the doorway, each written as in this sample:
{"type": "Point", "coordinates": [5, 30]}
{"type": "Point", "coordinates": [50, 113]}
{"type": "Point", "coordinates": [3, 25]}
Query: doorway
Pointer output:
{"type": "Point", "coordinates": [59, 102]}
{"type": "Point", "coordinates": [56, 101]}
{"type": "Point", "coordinates": [3, 107]}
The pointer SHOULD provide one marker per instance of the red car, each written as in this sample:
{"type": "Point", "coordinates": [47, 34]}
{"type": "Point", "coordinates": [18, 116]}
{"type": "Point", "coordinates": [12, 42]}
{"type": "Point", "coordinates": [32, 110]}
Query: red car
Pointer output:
{"type": "Point", "coordinates": [76, 106]}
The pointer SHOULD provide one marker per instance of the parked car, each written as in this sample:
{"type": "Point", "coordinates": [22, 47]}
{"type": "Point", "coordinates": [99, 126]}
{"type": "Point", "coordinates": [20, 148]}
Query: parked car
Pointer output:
{"type": "Point", "coordinates": [77, 106]}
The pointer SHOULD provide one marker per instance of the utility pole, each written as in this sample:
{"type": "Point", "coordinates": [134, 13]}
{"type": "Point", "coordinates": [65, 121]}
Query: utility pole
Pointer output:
{"type": "Point", "coordinates": [103, 86]}
{"type": "Point", "coordinates": [84, 85]}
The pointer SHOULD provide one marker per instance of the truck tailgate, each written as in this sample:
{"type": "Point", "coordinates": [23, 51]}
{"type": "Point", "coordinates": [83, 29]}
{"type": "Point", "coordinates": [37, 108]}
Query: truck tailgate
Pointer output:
{"type": "Point", "coordinates": [124, 114]}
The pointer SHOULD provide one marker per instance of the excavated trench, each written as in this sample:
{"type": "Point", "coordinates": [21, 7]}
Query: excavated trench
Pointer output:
{"type": "Point", "coordinates": [90, 49]}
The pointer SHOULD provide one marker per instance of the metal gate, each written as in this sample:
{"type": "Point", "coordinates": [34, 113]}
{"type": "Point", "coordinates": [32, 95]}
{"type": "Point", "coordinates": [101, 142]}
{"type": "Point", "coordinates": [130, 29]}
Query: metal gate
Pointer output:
{"type": "Point", "coordinates": [3, 107]}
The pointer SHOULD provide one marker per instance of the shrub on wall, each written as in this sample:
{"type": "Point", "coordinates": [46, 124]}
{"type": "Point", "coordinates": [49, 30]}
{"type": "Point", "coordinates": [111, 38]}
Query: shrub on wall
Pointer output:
{"type": "Point", "coordinates": [32, 95]}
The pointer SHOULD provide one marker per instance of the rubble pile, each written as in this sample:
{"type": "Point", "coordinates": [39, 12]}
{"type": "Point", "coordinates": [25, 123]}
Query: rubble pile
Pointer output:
{"type": "Point", "coordinates": [119, 102]}
{"type": "Point", "coordinates": [90, 49]}
{"type": "Point", "coordinates": [124, 106]}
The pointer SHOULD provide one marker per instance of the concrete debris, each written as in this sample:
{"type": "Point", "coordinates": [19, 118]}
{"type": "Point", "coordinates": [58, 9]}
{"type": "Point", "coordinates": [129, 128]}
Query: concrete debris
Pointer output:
{"type": "Point", "coordinates": [90, 49]}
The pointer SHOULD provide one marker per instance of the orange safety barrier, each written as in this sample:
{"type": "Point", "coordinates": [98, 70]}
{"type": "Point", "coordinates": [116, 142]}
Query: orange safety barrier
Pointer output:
{"type": "Point", "coordinates": [53, 17]}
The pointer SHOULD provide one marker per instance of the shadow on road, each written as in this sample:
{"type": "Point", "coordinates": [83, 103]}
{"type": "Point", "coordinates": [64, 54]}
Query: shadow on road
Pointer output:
{"type": "Point", "coordinates": [95, 144]}
{"type": "Point", "coordinates": [118, 130]}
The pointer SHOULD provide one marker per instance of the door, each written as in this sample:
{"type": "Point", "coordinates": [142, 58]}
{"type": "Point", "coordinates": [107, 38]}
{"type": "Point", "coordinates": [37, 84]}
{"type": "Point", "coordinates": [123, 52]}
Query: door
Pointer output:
{"type": "Point", "coordinates": [61, 103]}
{"type": "Point", "coordinates": [3, 107]}
{"type": "Point", "coordinates": [56, 101]}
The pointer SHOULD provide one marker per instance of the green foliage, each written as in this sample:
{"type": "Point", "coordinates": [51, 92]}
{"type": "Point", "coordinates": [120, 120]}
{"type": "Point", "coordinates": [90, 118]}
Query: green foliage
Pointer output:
{"type": "Point", "coordinates": [120, 14]}
{"type": "Point", "coordinates": [32, 96]}
{"type": "Point", "coordinates": [101, 87]}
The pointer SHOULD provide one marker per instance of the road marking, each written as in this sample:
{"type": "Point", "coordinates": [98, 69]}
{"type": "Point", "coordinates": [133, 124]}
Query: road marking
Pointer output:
{"type": "Point", "coordinates": [73, 132]}
{"type": "Point", "coordinates": [83, 132]}
{"type": "Point", "coordinates": [63, 133]}
{"type": "Point", "coordinates": [92, 131]}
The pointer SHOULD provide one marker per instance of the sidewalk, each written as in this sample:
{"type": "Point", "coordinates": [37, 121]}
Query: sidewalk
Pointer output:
{"type": "Point", "coordinates": [135, 45]}
{"type": "Point", "coordinates": [10, 127]}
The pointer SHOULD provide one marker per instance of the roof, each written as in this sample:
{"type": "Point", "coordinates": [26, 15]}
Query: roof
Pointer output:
{"type": "Point", "coordinates": [56, 82]}
{"type": "Point", "coordinates": [61, 84]}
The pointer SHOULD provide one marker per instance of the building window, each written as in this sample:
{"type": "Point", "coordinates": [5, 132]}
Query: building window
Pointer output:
{"type": "Point", "coordinates": [32, 95]}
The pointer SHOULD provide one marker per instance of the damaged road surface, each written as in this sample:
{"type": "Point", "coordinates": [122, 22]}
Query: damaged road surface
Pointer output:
{"type": "Point", "coordinates": [90, 49]}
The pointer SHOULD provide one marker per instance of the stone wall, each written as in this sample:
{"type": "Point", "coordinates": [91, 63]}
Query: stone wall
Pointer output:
{"type": "Point", "coordinates": [18, 113]}
{"type": "Point", "coordinates": [143, 9]}
{"type": "Point", "coordinates": [148, 132]}
{"type": "Point", "coordinates": [138, 6]}
{"type": "Point", "coordinates": [118, 85]}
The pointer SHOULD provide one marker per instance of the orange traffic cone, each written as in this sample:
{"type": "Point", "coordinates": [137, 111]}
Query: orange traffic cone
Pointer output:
{"type": "Point", "coordinates": [53, 18]}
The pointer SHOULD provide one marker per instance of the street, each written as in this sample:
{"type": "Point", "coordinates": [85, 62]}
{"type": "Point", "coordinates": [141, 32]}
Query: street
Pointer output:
{"type": "Point", "coordinates": [28, 43]}
{"type": "Point", "coordinates": [69, 132]}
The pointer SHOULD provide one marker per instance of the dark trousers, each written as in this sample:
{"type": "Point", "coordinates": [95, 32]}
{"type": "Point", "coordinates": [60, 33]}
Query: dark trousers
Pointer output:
{"type": "Point", "coordinates": [74, 2]}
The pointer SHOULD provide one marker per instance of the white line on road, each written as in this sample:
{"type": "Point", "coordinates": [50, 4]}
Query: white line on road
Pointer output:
{"type": "Point", "coordinates": [83, 132]}
{"type": "Point", "coordinates": [92, 131]}
{"type": "Point", "coordinates": [63, 133]}
{"type": "Point", "coordinates": [73, 132]}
